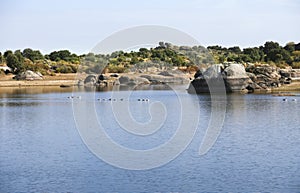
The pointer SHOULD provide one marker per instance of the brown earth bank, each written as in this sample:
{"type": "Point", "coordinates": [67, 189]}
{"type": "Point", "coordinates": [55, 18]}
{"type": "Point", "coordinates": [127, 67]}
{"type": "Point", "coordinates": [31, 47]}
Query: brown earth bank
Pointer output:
{"type": "Point", "coordinates": [57, 80]}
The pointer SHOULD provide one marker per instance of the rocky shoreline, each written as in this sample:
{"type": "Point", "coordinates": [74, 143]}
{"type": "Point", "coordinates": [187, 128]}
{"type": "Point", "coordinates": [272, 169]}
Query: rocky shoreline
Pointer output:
{"type": "Point", "coordinates": [238, 78]}
{"type": "Point", "coordinates": [134, 79]}
{"type": "Point", "coordinates": [235, 77]}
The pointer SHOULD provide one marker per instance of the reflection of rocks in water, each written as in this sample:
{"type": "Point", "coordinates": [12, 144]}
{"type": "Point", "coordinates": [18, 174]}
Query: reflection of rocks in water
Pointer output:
{"type": "Point", "coordinates": [153, 87]}
{"type": "Point", "coordinates": [137, 87]}
{"type": "Point", "coordinates": [18, 104]}
{"type": "Point", "coordinates": [34, 90]}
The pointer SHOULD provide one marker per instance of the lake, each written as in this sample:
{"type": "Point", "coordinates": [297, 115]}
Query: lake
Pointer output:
{"type": "Point", "coordinates": [41, 149]}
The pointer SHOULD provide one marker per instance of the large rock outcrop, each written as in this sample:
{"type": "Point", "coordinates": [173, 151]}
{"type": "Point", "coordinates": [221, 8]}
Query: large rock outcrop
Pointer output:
{"type": "Point", "coordinates": [219, 78]}
{"type": "Point", "coordinates": [95, 80]}
{"type": "Point", "coordinates": [239, 79]}
{"type": "Point", "coordinates": [130, 79]}
{"type": "Point", "coordinates": [91, 80]}
{"type": "Point", "coordinates": [29, 75]}
{"type": "Point", "coordinates": [166, 77]}
{"type": "Point", "coordinates": [134, 80]}
{"type": "Point", "coordinates": [236, 78]}
{"type": "Point", "coordinates": [265, 76]}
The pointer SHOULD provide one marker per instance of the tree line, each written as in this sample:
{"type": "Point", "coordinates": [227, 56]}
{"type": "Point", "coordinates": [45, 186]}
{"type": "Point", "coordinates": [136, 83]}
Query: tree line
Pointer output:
{"type": "Point", "coordinates": [164, 55]}
{"type": "Point", "coordinates": [271, 52]}
{"type": "Point", "coordinates": [28, 59]}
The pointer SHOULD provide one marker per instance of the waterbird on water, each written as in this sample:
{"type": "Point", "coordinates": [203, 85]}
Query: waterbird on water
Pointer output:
{"type": "Point", "coordinates": [144, 99]}
{"type": "Point", "coordinates": [73, 97]}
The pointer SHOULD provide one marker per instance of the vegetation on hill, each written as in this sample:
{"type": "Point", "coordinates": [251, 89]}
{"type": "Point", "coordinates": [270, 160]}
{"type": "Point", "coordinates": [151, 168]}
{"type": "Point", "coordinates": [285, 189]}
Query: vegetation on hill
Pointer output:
{"type": "Point", "coordinates": [270, 52]}
{"type": "Point", "coordinates": [163, 56]}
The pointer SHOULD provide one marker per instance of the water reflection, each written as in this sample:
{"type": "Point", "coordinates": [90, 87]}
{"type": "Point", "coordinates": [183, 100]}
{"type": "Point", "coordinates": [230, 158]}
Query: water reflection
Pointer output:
{"type": "Point", "coordinates": [6, 91]}
{"type": "Point", "coordinates": [41, 150]}
{"type": "Point", "coordinates": [18, 104]}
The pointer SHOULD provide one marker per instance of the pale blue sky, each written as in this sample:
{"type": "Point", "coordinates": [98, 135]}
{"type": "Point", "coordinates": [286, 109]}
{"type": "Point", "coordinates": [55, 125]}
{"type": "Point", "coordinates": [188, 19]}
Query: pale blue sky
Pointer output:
{"type": "Point", "coordinates": [79, 25]}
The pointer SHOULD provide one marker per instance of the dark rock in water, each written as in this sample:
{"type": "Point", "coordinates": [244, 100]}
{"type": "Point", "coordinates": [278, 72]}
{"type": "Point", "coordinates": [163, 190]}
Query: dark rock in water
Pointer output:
{"type": "Point", "coordinates": [216, 78]}
{"type": "Point", "coordinates": [90, 80]}
{"type": "Point", "coordinates": [201, 85]}
{"type": "Point", "coordinates": [237, 78]}
{"type": "Point", "coordinates": [102, 77]}
{"type": "Point", "coordinates": [64, 86]}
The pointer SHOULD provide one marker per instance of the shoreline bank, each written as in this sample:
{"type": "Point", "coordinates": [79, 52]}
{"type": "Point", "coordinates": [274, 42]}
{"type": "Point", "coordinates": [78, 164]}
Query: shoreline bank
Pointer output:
{"type": "Point", "coordinates": [59, 79]}
{"type": "Point", "coordinates": [72, 80]}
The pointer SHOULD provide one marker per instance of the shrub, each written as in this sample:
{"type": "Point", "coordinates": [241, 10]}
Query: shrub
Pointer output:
{"type": "Point", "coordinates": [116, 69]}
{"type": "Point", "coordinates": [296, 65]}
{"type": "Point", "coordinates": [64, 67]}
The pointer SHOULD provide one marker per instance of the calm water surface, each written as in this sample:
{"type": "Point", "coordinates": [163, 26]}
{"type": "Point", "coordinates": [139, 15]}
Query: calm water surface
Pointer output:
{"type": "Point", "coordinates": [41, 149]}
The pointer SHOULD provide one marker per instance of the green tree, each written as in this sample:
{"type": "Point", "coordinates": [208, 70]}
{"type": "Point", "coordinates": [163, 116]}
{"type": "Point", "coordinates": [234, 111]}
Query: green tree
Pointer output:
{"type": "Point", "coordinates": [235, 49]}
{"type": "Point", "coordinates": [269, 46]}
{"type": "Point", "coordinates": [290, 47]}
{"type": "Point", "coordinates": [63, 55]}
{"type": "Point", "coordinates": [245, 58]}
{"type": "Point", "coordinates": [20, 57]}
{"type": "Point", "coordinates": [232, 58]}
{"type": "Point", "coordinates": [33, 55]}
{"type": "Point", "coordinates": [272, 51]}
{"type": "Point", "coordinates": [134, 60]}
{"type": "Point", "coordinates": [13, 62]}
{"type": "Point", "coordinates": [1, 58]}
{"type": "Point", "coordinates": [297, 47]}
{"type": "Point", "coordinates": [253, 53]}
{"type": "Point", "coordinates": [296, 56]}
{"type": "Point", "coordinates": [6, 53]}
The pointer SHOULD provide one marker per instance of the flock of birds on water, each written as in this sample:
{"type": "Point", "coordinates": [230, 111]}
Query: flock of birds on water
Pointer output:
{"type": "Point", "coordinates": [110, 99]}
{"type": "Point", "coordinates": [142, 99]}
{"type": "Point", "coordinates": [286, 99]}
